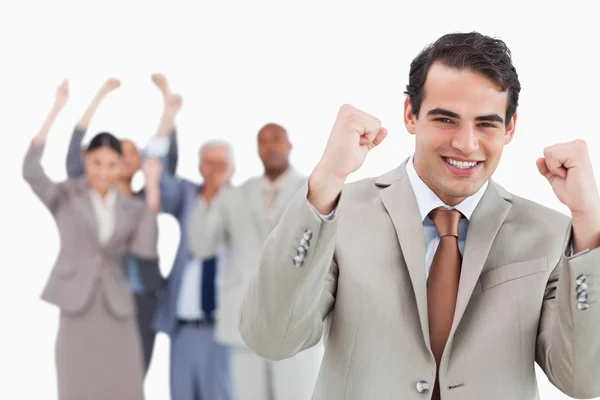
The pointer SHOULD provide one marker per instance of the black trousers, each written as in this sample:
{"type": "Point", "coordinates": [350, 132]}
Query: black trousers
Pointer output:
{"type": "Point", "coordinates": [146, 306]}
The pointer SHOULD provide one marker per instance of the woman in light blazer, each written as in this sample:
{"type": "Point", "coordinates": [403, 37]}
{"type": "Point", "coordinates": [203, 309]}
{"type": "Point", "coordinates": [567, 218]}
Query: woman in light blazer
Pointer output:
{"type": "Point", "coordinates": [98, 351]}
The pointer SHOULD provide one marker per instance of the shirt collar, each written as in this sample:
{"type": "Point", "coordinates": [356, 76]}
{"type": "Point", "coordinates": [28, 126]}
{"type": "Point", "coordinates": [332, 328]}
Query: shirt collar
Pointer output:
{"type": "Point", "coordinates": [278, 183]}
{"type": "Point", "coordinates": [109, 200]}
{"type": "Point", "coordinates": [427, 200]}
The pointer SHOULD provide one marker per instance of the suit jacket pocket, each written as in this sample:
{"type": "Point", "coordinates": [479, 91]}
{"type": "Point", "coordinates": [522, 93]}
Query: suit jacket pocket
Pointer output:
{"type": "Point", "coordinates": [511, 272]}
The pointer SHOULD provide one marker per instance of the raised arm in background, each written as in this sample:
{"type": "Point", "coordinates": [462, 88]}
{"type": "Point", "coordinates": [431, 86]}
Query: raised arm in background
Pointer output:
{"type": "Point", "coordinates": [172, 155]}
{"type": "Point", "coordinates": [158, 147]}
{"type": "Point", "coordinates": [75, 167]}
{"type": "Point", "coordinates": [48, 192]}
{"type": "Point", "coordinates": [74, 162]}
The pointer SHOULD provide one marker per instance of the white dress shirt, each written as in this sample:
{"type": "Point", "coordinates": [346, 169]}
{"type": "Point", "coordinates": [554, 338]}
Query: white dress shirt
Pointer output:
{"type": "Point", "coordinates": [189, 299]}
{"type": "Point", "coordinates": [189, 303]}
{"type": "Point", "coordinates": [104, 210]}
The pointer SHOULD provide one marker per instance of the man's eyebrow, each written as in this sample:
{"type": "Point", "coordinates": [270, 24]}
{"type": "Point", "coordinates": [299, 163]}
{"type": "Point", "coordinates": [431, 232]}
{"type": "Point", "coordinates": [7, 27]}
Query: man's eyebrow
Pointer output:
{"type": "Point", "coordinates": [491, 117]}
{"type": "Point", "coordinates": [441, 111]}
{"type": "Point", "coordinates": [447, 113]}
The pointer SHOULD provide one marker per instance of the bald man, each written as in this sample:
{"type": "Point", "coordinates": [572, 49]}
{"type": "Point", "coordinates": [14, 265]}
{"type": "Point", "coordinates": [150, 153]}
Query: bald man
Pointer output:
{"type": "Point", "coordinates": [238, 220]}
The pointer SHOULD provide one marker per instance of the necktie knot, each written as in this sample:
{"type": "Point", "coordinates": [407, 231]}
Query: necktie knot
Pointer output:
{"type": "Point", "coordinates": [446, 221]}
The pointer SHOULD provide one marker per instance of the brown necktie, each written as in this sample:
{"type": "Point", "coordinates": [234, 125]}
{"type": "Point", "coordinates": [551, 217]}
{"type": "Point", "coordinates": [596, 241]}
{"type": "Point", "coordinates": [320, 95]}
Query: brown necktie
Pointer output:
{"type": "Point", "coordinates": [442, 284]}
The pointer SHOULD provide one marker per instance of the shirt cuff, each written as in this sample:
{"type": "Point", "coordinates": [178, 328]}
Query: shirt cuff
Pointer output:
{"type": "Point", "coordinates": [157, 147]}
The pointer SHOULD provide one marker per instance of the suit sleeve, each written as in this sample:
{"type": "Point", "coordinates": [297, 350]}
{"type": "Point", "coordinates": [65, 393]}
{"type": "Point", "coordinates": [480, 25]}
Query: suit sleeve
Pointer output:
{"type": "Point", "coordinates": [171, 186]}
{"type": "Point", "coordinates": [49, 192]}
{"type": "Point", "coordinates": [150, 274]}
{"type": "Point", "coordinates": [568, 343]}
{"type": "Point", "coordinates": [144, 242]}
{"type": "Point", "coordinates": [75, 167]}
{"type": "Point", "coordinates": [207, 226]}
{"type": "Point", "coordinates": [293, 290]}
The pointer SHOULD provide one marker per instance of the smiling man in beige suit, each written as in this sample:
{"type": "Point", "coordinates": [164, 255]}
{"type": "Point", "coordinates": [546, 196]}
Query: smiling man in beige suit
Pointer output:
{"type": "Point", "coordinates": [432, 280]}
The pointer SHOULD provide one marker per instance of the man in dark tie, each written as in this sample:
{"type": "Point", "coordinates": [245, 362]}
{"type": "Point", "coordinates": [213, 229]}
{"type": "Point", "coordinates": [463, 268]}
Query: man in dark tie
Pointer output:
{"type": "Point", "coordinates": [187, 310]}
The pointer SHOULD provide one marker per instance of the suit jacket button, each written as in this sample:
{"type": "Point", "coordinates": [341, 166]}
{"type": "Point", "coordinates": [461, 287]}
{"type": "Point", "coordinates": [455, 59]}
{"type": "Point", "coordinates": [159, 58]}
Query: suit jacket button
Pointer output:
{"type": "Point", "coordinates": [582, 306]}
{"type": "Point", "coordinates": [307, 234]}
{"type": "Point", "coordinates": [305, 243]}
{"type": "Point", "coordinates": [582, 297]}
{"type": "Point", "coordinates": [423, 387]}
{"type": "Point", "coordinates": [581, 288]}
{"type": "Point", "coordinates": [301, 251]}
{"type": "Point", "coordinates": [580, 279]}
{"type": "Point", "coordinates": [298, 261]}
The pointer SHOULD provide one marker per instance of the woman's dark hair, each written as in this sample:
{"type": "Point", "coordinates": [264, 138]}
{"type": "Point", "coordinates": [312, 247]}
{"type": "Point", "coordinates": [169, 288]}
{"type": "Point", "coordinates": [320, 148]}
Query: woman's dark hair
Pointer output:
{"type": "Point", "coordinates": [104, 139]}
{"type": "Point", "coordinates": [472, 51]}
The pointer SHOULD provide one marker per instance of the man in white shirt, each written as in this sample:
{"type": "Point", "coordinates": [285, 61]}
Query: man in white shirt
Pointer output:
{"type": "Point", "coordinates": [433, 281]}
{"type": "Point", "coordinates": [188, 310]}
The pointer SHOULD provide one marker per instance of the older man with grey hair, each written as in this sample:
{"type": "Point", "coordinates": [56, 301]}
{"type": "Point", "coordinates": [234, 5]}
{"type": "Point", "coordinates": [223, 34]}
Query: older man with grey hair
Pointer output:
{"type": "Point", "coordinates": [187, 308]}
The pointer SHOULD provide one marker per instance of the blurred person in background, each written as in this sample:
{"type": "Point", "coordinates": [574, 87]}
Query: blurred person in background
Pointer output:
{"type": "Point", "coordinates": [199, 366]}
{"type": "Point", "coordinates": [98, 349]}
{"type": "Point", "coordinates": [240, 219]}
{"type": "Point", "coordinates": [143, 276]}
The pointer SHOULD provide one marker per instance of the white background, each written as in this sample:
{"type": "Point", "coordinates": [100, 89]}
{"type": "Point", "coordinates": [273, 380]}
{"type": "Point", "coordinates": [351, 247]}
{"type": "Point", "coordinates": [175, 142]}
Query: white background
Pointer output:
{"type": "Point", "coordinates": [239, 65]}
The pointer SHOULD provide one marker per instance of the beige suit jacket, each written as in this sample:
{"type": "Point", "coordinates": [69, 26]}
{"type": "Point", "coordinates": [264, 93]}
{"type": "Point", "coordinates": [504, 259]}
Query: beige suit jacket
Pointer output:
{"type": "Point", "coordinates": [83, 262]}
{"type": "Point", "coordinates": [236, 222]}
{"type": "Point", "coordinates": [363, 274]}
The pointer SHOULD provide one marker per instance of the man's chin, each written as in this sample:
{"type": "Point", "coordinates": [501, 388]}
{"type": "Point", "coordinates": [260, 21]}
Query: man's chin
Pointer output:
{"type": "Point", "coordinates": [463, 190]}
{"type": "Point", "coordinates": [274, 169]}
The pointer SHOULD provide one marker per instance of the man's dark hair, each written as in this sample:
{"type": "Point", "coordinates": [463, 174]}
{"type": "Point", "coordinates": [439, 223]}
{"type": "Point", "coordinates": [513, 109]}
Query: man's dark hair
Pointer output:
{"type": "Point", "coordinates": [473, 51]}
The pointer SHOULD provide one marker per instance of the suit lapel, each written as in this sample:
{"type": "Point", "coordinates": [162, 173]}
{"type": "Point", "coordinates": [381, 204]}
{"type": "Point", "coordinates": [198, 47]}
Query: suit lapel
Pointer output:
{"type": "Point", "coordinates": [120, 214]}
{"type": "Point", "coordinates": [485, 222]}
{"type": "Point", "coordinates": [256, 197]}
{"type": "Point", "coordinates": [401, 205]}
{"type": "Point", "coordinates": [86, 209]}
{"type": "Point", "coordinates": [290, 186]}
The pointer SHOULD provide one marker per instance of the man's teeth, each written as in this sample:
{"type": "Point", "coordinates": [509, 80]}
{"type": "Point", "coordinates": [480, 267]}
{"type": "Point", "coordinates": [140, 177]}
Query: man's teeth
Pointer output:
{"type": "Point", "coordinates": [460, 164]}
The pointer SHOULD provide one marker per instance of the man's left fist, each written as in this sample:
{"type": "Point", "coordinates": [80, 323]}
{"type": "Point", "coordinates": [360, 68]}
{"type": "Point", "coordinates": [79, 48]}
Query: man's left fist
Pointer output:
{"type": "Point", "coordinates": [568, 168]}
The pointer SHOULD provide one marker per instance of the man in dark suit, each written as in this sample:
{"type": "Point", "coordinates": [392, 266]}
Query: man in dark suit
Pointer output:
{"type": "Point", "coordinates": [143, 276]}
{"type": "Point", "coordinates": [188, 310]}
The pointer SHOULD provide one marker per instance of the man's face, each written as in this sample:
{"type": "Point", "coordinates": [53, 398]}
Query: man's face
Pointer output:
{"type": "Point", "coordinates": [460, 132]}
{"type": "Point", "coordinates": [274, 149]}
{"type": "Point", "coordinates": [131, 159]}
{"type": "Point", "coordinates": [215, 166]}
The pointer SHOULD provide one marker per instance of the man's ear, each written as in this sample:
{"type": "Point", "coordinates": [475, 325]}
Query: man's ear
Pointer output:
{"type": "Point", "coordinates": [410, 118]}
{"type": "Point", "coordinates": [510, 129]}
